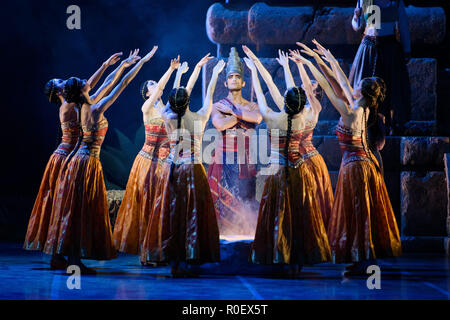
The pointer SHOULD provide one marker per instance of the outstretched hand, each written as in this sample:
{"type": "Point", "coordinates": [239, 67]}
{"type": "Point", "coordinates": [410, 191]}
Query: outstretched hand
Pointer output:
{"type": "Point", "coordinates": [307, 50]}
{"type": "Point", "coordinates": [183, 68]}
{"type": "Point", "coordinates": [249, 53]}
{"type": "Point", "coordinates": [297, 57]}
{"type": "Point", "coordinates": [150, 54]}
{"type": "Point", "coordinates": [250, 64]}
{"type": "Point", "coordinates": [325, 53]}
{"type": "Point", "coordinates": [113, 59]}
{"type": "Point", "coordinates": [283, 58]}
{"type": "Point", "coordinates": [132, 58]}
{"type": "Point", "coordinates": [219, 67]}
{"type": "Point", "coordinates": [175, 63]}
{"type": "Point", "coordinates": [204, 60]}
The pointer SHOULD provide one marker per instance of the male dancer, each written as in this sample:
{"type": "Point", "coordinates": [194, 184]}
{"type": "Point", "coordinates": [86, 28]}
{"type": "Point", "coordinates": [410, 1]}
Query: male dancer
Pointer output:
{"type": "Point", "coordinates": [231, 177]}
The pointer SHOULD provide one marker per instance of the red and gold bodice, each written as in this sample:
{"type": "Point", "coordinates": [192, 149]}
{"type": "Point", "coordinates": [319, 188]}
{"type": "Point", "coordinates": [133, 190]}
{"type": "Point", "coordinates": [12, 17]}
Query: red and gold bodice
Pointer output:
{"type": "Point", "coordinates": [278, 140]}
{"type": "Point", "coordinates": [156, 146]}
{"type": "Point", "coordinates": [186, 149]}
{"type": "Point", "coordinates": [306, 146]}
{"type": "Point", "coordinates": [70, 135]}
{"type": "Point", "coordinates": [93, 138]}
{"type": "Point", "coordinates": [351, 144]}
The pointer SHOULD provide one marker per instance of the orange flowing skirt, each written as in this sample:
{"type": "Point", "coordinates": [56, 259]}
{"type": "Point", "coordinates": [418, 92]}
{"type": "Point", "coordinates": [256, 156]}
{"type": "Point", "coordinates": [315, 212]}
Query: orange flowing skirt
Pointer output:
{"type": "Point", "coordinates": [362, 224]}
{"type": "Point", "coordinates": [42, 210]}
{"type": "Point", "coordinates": [319, 169]}
{"type": "Point", "coordinates": [290, 229]}
{"type": "Point", "coordinates": [80, 225]}
{"type": "Point", "coordinates": [183, 225]}
{"type": "Point", "coordinates": [137, 205]}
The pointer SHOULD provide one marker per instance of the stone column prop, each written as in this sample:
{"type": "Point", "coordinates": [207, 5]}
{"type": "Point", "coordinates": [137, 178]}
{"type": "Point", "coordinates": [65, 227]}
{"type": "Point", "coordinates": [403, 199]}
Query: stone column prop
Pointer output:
{"type": "Point", "coordinates": [423, 193]}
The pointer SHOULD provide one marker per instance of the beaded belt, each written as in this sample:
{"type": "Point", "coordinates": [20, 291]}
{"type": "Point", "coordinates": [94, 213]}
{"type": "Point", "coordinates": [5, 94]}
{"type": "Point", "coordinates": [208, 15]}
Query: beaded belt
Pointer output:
{"type": "Point", "coordinates": [151, 157]}
{"type": "Point", "coordinates": [278, 159]}
{"type": "Point", "coordinates": [92, 152]}
{"type": "Point", "coordinates": [310, 154]}
{"type": "Point", "coordinates": [61, 152]}
{"type": "Point", "coordinates": [354, 158]}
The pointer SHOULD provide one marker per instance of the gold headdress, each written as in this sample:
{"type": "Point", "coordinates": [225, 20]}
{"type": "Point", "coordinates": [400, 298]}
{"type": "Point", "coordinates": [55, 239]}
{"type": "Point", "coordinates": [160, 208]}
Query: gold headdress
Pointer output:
{"type": "Point", "coordinates": [234, 64]}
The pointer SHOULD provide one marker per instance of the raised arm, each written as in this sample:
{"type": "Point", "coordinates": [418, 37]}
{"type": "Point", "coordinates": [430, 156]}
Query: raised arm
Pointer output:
{"type": "Point", "coordinates": [194, 76]}
{"type": "Point", "coordinates": [309, 89]}
{"type": "Point", "coordinates": [180, 71]}
{"type": "Point", "coordinates": [339, 104]}
{"type": "Point", "coordinates": [340, 75]}
{"type": "Point", "coordinates": [112, 78]}
{"type": "Point", "coordinates": [107, 101]}
{"type": "Point", "coordinates": [358, 20]}
{"type": "Point", "coordinates": [262, 103]}
{"type": "Point", "coordinates": [274, 92]}
{"type": "Point", "coordinates": [327, 72]}
{"type": "Point", "coordinates": [156, 94]}
{"type": "Point", "coordinates": [342, 79]}
{"type": "Point", "coordinates": [92, 82]}
{"type": "Point", "coordinates": [283, 60]}
{"type": "Point", "coordinates": [205, 111]}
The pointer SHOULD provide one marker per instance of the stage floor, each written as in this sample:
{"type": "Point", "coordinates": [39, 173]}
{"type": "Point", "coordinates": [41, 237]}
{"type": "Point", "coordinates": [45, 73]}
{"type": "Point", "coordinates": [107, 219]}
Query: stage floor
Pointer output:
{"type": "Point", "coordinates": [26, 275]}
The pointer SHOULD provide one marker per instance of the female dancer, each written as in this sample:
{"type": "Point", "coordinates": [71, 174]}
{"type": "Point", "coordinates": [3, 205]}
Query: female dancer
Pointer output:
{"type": "Point", "coordinates": [290, 228]}
{"type": "Point", "coordinates": [137, 202]}
{"type": "Point", "coordinates": [41, 213]}
{"type": "Point", "coordinates": [184, 230]}
{"type": "Point", "coordinates": [381, 55]}
{"type": "Point", "coordinates": [311, 112]}
{"type": "Point", "coordinates": [376, 132]}
{"type": "Point", "coordinates": [362, 226]}
{"type": "Point", "coordinates": [80, 227]}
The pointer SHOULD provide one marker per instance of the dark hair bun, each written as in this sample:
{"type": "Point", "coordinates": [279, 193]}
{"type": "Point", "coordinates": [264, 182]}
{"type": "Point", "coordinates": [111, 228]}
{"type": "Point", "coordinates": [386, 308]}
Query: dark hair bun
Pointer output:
{"type": "Point", "coordinates": [382, 86]}
{"type": "Point", "coordinates": [373, 90]}
{"type": "Point", "coordinates": [179, 100]}
{"type": "Point", "coordinates": [294, 100]}
{"type": "Point", "coordinates": [72, 90]}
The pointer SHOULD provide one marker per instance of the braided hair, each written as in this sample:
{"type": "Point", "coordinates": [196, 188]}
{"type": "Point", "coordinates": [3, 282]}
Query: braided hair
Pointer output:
{"type": "Point", "coordinates": [179, 103]}
{"type": "Point", "coordinates": [144, 88]}
{"type": "Point", "coordinates": [77, 145]}
{"type": "Point", "coordinates": [373, 90]}
{"type": "Point", "coordinates": [73, 94]}
{"type": "Point", "coordinates": [294, 102]}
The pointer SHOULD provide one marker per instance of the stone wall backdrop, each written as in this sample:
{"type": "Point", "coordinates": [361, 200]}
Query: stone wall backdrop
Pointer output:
{"type": "Point", "coordinates": [414, 163]}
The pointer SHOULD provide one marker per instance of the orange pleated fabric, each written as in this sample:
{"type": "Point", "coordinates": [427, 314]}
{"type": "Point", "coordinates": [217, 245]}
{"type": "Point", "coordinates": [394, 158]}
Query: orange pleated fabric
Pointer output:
{"type": "Point", "coordinates": [318, 168]}
{"type": "Point", "coordinates": [138, 201]}
{"type": "Point", "coordinates": [42, 210]}
{"type": "Point", "coordinates": [316, 164]}
{"type": "Point", "coordinates": [183, 226]}
{"type": "Point", "coordinates": [290, 228]}
{"type": "Point", "coordinates": [80, 225]}
{"type": "Point", "coordinates": [362, 224]}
